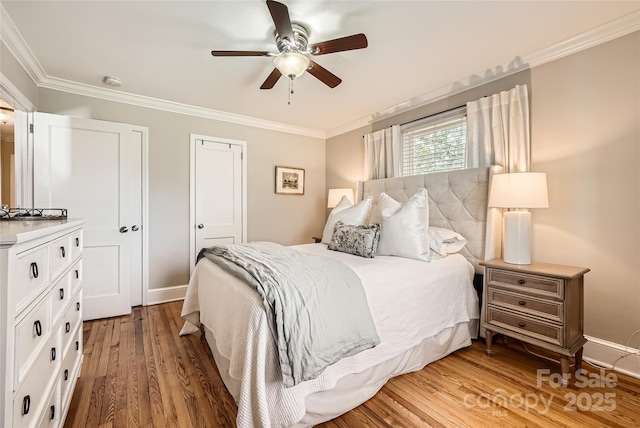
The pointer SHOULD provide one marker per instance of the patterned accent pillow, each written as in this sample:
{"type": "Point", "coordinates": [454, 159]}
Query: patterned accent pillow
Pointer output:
{"type": "Point", "coordinates": [358, 240]}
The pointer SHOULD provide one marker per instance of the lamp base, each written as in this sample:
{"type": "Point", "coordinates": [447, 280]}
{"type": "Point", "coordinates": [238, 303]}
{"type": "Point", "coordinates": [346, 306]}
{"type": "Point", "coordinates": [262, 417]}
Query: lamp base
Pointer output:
{"type": "Point", "coordinates": [517, 237]}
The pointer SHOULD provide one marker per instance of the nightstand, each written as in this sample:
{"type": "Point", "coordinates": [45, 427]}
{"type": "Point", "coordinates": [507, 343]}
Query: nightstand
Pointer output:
{"type": "Point", "coordinates": [540, 304]}
{"type": "Point", "coordinates": [316, 239]}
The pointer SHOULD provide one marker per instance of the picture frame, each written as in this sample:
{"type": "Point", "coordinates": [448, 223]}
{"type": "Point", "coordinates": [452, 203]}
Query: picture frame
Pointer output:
{"type": "Point", "coordinates": [290, 180]}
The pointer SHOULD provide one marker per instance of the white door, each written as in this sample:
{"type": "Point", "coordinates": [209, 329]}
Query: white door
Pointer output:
{"type": "Point", "coordinates": [93, 168]}
{"type": "Point", "coordinates": [217, 192]}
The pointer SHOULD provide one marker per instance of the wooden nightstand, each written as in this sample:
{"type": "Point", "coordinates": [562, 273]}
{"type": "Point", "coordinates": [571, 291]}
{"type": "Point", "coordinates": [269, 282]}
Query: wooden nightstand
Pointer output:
{"type": "Point", "coordinates": [540, 303]}
{"type": "Point", "coordinates": [316, 239]}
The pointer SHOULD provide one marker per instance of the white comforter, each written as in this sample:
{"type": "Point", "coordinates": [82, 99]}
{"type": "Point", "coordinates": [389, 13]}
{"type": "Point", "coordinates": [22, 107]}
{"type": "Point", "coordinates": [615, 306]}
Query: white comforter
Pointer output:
{"type": "Point", "coordinates": [409, 301]}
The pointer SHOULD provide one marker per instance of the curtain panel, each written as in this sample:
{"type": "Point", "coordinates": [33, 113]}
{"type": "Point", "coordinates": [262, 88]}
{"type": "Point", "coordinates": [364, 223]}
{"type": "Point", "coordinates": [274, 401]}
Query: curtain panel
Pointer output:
{"type": "Point", "coordinates": [498, 131]}
{"type": "Point", "coordinates": [383, 153]}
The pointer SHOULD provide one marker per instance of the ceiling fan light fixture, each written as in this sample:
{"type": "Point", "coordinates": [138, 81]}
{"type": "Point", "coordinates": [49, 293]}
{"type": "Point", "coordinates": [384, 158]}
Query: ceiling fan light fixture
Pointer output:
{"type": "Point", "coordinates": [291, 64]}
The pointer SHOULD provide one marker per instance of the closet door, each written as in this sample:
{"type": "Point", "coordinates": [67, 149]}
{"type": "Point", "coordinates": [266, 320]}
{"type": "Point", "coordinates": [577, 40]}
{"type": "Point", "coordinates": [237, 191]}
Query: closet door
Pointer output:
{"type": "Point", "coordinates": [92, 168]}
{"type": "Point", "coordinates": [218, 174]}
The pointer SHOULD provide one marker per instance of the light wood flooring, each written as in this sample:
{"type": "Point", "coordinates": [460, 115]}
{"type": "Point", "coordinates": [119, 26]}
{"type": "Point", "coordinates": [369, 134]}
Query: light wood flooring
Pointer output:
{"type": "Point", "coordinates": [138, 372]}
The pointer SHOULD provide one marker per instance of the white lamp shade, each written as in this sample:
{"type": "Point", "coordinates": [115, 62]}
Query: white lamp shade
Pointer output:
{"type": "Point", "coordinates": [291, 64]}
{"type": "Point", "coordinates": [335, 195]}
{"type": "Point", "coordinates": [519, 190]}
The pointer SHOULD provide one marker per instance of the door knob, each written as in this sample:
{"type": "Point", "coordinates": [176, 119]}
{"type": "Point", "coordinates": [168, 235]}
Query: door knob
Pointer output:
{"type": "Point", "coordinates": [124, 229]}
{"type": "Point", "coordinates": [135, 228]}
{"type": "Point", "coordinates": [201, 226]}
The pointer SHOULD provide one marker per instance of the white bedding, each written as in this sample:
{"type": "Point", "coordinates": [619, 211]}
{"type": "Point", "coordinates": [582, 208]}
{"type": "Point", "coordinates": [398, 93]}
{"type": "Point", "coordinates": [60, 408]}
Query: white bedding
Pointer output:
{"type": "Point", "coordinates": [409, 300]}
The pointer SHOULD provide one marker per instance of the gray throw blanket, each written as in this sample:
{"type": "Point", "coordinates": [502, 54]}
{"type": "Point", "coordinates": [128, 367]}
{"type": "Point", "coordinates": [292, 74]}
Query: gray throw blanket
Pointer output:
{"type": "Point", "coordinates": [317, 304]}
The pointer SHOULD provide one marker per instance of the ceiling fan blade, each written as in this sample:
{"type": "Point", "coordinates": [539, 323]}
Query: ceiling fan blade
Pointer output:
{"type": "Point", "coordinates": [280, 15]}
{"type": "Point", "coordinates": [241, 53]}
{"type": "Point", "coordinates": [324, 75]}
{"type": "Point", "coordinates": [272, 79]}
{"type": "Point", "coordinates": [356, 41]}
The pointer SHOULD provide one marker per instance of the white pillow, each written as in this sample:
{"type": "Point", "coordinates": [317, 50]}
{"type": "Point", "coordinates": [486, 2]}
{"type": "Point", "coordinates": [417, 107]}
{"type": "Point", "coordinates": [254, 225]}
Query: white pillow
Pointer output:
{"type": "Point", "coordinates": [385, 202]}
{"type": "Point", "coordinates": [356, 215]}
{"type": "Point", "coordinates": [445, 241]}
{"type": "Point", "coordinates": [404, 229]}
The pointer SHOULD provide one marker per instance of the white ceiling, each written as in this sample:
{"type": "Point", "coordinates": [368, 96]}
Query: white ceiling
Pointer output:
{"type": "Point", "coordinates": [161, 49]}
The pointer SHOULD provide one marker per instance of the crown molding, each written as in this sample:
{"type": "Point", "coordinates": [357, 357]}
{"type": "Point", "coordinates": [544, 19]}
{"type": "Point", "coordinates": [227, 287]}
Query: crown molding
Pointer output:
{"type": "Point", "coordinates": [11, 94]}
{"type": "Point", "coordinates": [13, 40]}
{"type": "Point", "coordinates": [622, 26]}
{"type": "Point", "coordinates": [173, 107]}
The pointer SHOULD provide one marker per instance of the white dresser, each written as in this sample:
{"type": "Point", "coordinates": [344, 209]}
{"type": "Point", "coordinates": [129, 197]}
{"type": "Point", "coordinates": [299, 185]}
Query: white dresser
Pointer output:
{"type": "Point", "coordinates": [40, 320]}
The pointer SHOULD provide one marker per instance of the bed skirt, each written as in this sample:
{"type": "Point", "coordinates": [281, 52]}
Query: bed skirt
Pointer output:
{"type": "Point", "coordinates": [353, 390]}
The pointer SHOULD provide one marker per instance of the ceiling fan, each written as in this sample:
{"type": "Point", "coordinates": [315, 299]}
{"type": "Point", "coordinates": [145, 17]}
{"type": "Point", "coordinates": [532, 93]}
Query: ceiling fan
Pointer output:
{"type": "Point", "coordinates": [292, 59]}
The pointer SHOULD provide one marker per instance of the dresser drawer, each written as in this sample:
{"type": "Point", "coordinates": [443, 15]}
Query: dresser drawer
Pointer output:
{"type": "Point", "coordinates": [550, 309]}
{"type": "Point", "coordinates": [32, 275]}
{"type": "Point", "coordinates": [59, 255]}
{"type": "Point", "coordinates": [50, 415]}
{"type": "Point", "coordinates": [61, 295]}
{"type": "Point", "coordinates": [76, 276]}
{"type": "Point", "coordinates": [30, 399]}
{"type": "Point", "coordinates": [524, 325]}
{"type": "Point", "coordinates": [532, 284]}
{"type": "Point", "coordinates": [77, 244]}
{"type": "Point", "coordinates": [70, 368]}
{"type": "Point", "coordinates": [30, 335]}
{"type": "Point", "coordinates": [71, 322]}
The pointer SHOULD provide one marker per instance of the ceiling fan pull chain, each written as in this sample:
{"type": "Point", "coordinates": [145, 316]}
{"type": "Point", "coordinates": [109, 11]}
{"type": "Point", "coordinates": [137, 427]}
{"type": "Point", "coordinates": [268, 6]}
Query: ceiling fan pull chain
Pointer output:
{"type": "Point", "coordinates": [290, 90]}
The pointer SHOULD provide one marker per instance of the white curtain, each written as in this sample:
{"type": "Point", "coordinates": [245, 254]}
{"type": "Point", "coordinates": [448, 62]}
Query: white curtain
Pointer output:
{"type": "Point", "coordinates": [498, 131]}
{"type": "Point", "coordinates": [383, 153]}
{"type": "Point", "coordinates": [498, 134]}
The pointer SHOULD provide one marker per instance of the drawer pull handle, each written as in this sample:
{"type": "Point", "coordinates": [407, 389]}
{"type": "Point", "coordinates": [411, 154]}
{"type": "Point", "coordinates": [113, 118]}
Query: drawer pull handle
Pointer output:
{"type": "Point", "coordinates": [67, 327]}
{"type": "Point", "coordinates": [53, 354]}
{"type": "Point", "coordinates": [26, 404]}
{"type": "Point", "coordinates": [62, 251]}
{"type": "Point", "coordinates": [77, 274]}
{"type": "Point", "coordinates": [522, 303]}
{"type": "Point", "coordinates": [52, 413]}
{"type": "Point", "coordinates": [62, 294]}
{"type": "Point", "coordinates": [66, 374]}
{"type": "Point", "coordinates": [77, 242]}
{"type": "Point", "coordinates": [521, 281]}
{"type": "Point", "coordinates": [521, 324]}
{"type": "Point", "coordinates": [38, 326]}
{"type": "Point", "coordinates": [34, 269]}
{"type": "Point", "coordinates": [77, 345]}
{"type": "Point", "coordinates": [77, 306]}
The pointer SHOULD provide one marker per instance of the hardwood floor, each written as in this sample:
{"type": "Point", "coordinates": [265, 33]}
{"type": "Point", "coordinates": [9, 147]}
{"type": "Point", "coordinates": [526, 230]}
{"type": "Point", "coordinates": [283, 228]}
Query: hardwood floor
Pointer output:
{"type": "Point", "coordinates": [138, 372]}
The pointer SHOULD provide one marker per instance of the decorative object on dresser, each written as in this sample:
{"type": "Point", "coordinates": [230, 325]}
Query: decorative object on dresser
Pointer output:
{"type": "Point", "coordinates": [540, 304]}
{"type": "Point", "coordinates": [289, 181]}
{"type": "Point", "coordinates": [41, 320]}
{"type": "Point", "coordinates": [521, 190]}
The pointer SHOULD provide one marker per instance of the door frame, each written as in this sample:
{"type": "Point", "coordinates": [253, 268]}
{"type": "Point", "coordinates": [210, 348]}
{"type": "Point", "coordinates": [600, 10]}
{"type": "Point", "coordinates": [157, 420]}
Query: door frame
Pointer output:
{"type": "Point", "coordinates": [192, 189]}
{"type": "Point", "coordinates": [144, 132]}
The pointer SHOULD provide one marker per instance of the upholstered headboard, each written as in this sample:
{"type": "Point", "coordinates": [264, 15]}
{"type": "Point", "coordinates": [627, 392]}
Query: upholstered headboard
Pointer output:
{"type": "Point", "coordinates": [457, 201]}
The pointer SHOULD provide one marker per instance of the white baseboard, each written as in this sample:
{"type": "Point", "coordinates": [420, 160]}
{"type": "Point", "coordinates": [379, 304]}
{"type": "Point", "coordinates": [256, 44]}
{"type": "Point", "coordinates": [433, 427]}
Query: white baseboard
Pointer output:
{"type": "Point", "coordinates": [605, 353]}
{"type": "Point", "coordinates": [166, 294]}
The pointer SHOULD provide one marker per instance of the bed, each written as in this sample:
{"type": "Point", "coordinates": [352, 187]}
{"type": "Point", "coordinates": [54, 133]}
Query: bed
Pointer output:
{"type": "Point", "coordinates": [422, 311]}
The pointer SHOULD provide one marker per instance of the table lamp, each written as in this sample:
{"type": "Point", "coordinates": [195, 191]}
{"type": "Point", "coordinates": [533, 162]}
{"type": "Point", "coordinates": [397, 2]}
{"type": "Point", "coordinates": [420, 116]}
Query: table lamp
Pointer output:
{"type": "Point", "coordinates": [335, 195]}
{"type": "Point", "coordinates": [519, 191]}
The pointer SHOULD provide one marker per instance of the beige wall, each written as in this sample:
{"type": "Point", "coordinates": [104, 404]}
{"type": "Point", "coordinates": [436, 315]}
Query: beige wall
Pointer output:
{"type": "Point", "coordinates": [585, 131]}
{"type": "Point", "coordinates": [285, 219]}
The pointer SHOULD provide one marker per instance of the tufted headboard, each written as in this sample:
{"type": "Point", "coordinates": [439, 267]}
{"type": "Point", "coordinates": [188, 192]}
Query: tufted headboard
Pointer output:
{"type": "Point", "coordinates": [457, 201]}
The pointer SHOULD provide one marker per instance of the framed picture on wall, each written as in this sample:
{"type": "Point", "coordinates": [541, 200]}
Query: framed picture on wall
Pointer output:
{"type": "Point", "coordinates": [289, 181]}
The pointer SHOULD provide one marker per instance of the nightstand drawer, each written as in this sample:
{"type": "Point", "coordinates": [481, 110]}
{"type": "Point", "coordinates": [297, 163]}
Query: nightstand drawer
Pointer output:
{"type": "Point", "coordinates": [525, 325]}
{"type": "Point", "coordinates": [532, 284]}
{"type": "Point", "coordinates": [550, 309]}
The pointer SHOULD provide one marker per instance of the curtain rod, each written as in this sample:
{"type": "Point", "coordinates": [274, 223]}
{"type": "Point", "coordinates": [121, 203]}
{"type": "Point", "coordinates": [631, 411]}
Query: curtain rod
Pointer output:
{"type": "Point", "coordinates": [431, 115]}
{"type": "Point", "coordinates": [434, 114]}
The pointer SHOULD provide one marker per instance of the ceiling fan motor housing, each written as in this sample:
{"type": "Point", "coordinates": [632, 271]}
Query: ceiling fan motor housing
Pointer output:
{"type": "Point", "coordinates": [299, 42]}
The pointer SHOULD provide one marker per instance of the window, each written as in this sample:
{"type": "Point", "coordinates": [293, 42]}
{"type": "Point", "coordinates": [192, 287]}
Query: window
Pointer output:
{"type": "Point", "coordinates": [436, 143]}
